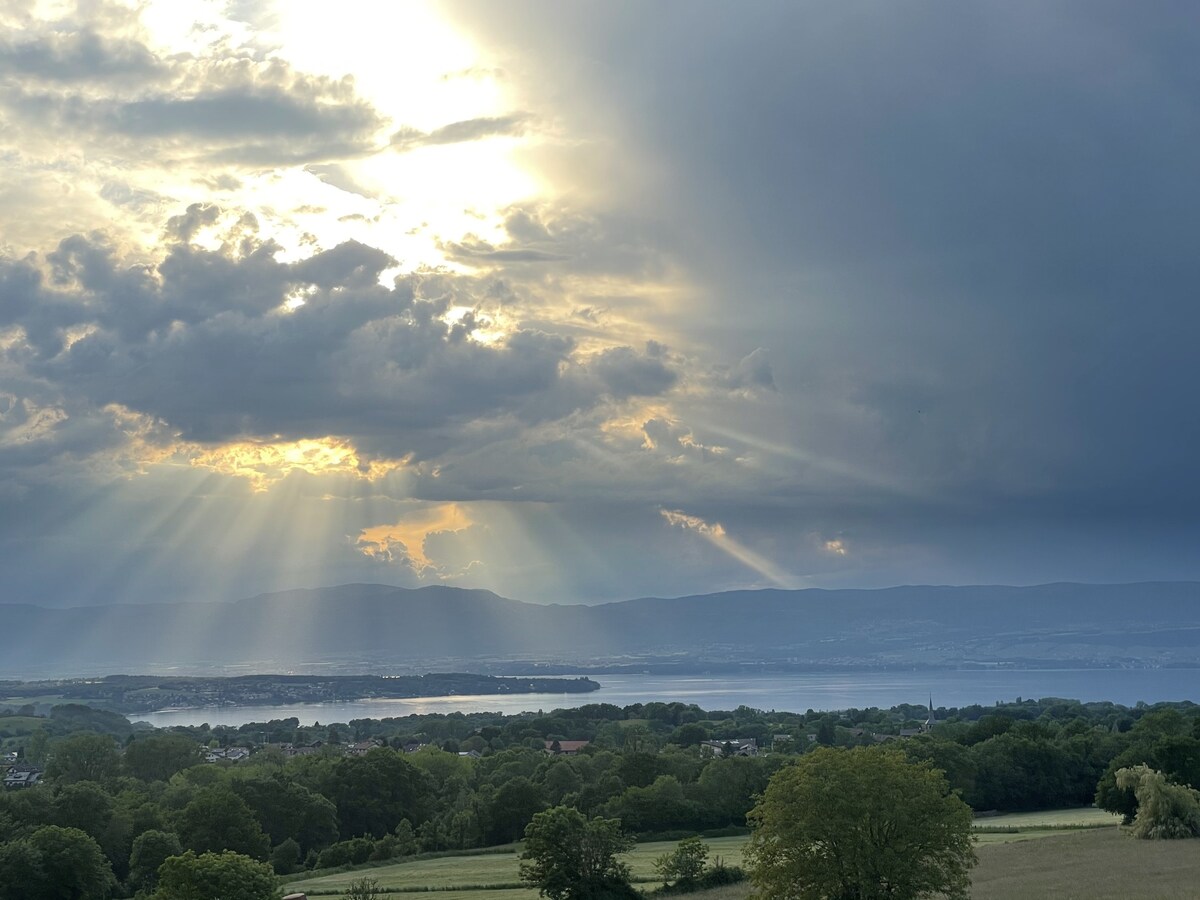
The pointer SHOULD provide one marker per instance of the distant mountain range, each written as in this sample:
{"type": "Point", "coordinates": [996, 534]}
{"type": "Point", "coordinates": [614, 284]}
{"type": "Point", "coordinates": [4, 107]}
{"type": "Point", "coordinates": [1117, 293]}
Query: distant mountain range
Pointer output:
{"type": "Point", "coordinates": [358, 627]}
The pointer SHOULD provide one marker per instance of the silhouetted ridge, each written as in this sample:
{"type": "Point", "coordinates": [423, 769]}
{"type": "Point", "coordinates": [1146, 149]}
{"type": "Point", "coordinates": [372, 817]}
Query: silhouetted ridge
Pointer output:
{"type": "Point", "coordinates": [1154, 623]}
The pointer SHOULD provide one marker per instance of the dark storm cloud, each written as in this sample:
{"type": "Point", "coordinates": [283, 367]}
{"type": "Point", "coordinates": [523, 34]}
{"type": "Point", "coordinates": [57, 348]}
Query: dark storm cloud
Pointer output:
{"type": "Point", "coordinates": [752, 372]}
{"type": "Point", "coordinates": [593, 242]}
{"type": "Point", "coordinates": [627, 373]}
{"type": "Point", "coordinates": [202, 343]}
{"type": "Point", "coordinates": [966, 232]}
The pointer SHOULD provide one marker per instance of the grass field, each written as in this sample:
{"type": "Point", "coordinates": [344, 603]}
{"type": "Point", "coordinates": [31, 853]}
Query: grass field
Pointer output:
{"type": "Point", "coordinates": [492, 876]}
{"type": "Point", "coordinates": [1096, 864]}
{"type": "Point", "coordinates": [1083, 817]}
{"type": "Point", "coordinates": [1014, 827]}
{"type": "Point", "coordinates": [1077, 853]}
{"type": "Point", "coordinates": [19, 724]}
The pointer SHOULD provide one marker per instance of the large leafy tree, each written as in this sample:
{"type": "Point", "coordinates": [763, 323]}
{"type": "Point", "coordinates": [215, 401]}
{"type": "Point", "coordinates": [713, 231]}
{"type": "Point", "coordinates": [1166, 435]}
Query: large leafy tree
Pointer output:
{"type": "Point", "coordinates": [374, 792]}
{"type": "Point", "coordinates": [228, 876]}
{"type": "Point", "coordinates": [83, 757]}
{"type": "Point", "coordinates": [219, 819]}
{"type": "Point", "coordinates": [156, 757]}
{"type": "Point", "coordinates": [1177, 756]}
{"type": "Point", "coordinates": [54, 863]}
{"type": "Point", "coordinates": [1165, 810]}
{"type": "Point", "coordinates": [861, 824]}
{"type": "Point", "coordinates": [150, 850]}
{"type": "Point", "coordinates": [512, 808]}
{"type": "Point", "coordinates": [570, 857]}
{"type": "Point", "coordinates": [288, 810]}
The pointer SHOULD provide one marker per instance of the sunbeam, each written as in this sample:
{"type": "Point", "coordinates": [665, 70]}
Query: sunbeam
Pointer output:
{"type": "Point", "coordinates": [716, 535]}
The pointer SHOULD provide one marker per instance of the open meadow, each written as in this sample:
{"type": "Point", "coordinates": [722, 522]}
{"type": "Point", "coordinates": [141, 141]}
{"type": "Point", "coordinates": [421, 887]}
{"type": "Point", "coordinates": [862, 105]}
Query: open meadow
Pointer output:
{"type": "Point", "coordinates": [1075, 853]}
{"type": "Point", "coordinates": [492, 876]}
{"type": "Point", "coordinates": [1096, 864]}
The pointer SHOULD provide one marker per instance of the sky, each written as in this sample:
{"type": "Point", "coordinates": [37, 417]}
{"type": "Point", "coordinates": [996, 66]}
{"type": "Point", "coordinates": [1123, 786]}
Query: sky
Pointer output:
{"type": "Point", "coordinates": [590, 301]}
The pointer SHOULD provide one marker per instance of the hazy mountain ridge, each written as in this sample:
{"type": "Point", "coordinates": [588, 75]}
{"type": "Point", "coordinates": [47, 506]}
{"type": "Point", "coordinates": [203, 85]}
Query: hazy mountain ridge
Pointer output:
{"type": "Point", "coordinates": [1153, 623]}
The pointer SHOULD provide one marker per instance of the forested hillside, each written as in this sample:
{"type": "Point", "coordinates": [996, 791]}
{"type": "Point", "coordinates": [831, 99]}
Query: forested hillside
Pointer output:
{"type": "Point", "coordinates": [321, 796]}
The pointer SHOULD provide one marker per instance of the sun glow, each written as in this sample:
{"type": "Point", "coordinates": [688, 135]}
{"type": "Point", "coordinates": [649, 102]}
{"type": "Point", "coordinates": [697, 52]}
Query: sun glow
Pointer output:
{"type": "Point", "coordinates": [264, 463]}
{"type": "Point", "coordinates": [421, 76]}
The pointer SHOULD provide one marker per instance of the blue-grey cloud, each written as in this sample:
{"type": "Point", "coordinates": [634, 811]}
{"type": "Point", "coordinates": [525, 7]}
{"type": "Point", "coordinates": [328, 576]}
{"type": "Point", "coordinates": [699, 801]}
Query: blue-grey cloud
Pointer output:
{"type": "Point", "coordinates": [512, 125]}
{"type": "Point", "coordinates": [82, 55]}
{"type": "Point", "coordinates": [965, 234]}
{"type": "Point", "coordinates": [203, 343]}
{"type": "Point", "coordinates": [234, 106]}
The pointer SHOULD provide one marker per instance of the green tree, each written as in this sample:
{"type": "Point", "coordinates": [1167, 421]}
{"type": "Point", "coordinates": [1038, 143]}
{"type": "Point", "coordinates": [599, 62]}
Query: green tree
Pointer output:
{"type": "Point", "coordinates": [861, 824]}
{"type": "Point", "coordinates": [150, 850]}
{"type": "Point", "coordinates": [658, 807]}
{"type": "Point", "coordinates": [20, 867]}
{"type": "Point", "coordinates": [83, 757]}
{"type": "Point", "coordinates": [85, 806]}
{"type": "Point", "coordinates": [38, 746]}
{"type": "Point", "coordinates": [1176, 756]}
{"type": "Point", "coordinates": [228, 876]}
{"type": "Point", "coordinates": [570, 857]}
{"type": "Point", "coordinates": [685, 864]}
{"type": "Point", "coordinates": [689, 735]}
{"type": "Point", "coordinates": [512, 807]}
{"type": "Point", "coordinates": [285, 858]}
{"type": "Point", "coordinates": [286, 809]}
{"type": "Point", "coordinates": [406, 838]}
{"type": "Point", "coordinates": [728, 786]}
{"type": "Point", "coordinates": [375, 791]}
{"type": "Point", "coordinates": [158, 756]}
{"type": "Point", "coordinates": [1164, 810]}
{"type": "Point", "coordinates": [219, 819]}
{"type": "Point", "coordinates": [55, 863]}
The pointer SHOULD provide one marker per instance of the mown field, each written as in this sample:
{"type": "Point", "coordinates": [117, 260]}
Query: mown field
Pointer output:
{"type": "Point", "coordinates": [1096, 864]}
{"type": "Point", "coordinates": [1014, 827]}
{"type": "Point", "coordinates": [1073, 853]}
{"type": "Point", "coordinates": [491, 876]}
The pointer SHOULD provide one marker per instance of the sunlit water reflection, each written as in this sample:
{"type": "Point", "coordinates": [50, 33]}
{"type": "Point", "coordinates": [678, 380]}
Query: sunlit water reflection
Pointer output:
{"type": "Point", "coordinates": [797, 692]}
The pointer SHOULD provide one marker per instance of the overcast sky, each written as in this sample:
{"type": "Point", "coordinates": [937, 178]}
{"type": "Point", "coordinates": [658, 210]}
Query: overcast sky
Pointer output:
{"type": "Point", "coordinates": [596, 300]}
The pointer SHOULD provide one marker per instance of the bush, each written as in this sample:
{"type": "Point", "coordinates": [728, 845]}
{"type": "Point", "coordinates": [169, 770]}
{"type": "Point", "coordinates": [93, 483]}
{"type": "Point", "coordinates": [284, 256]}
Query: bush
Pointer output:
{"type": "Point", "coordinates": [719, 874]}
{"type": "Point", "coordinates": [285, 859]}
{"type": "Point", "coordinates": [685, 864]}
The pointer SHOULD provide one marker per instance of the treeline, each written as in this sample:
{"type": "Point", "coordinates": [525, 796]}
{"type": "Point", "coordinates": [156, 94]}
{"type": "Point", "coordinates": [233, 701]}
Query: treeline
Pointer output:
{"type": "Point", "coordinates": [140, 796]}
{"type": "Point", "coordinates": [135, 694]}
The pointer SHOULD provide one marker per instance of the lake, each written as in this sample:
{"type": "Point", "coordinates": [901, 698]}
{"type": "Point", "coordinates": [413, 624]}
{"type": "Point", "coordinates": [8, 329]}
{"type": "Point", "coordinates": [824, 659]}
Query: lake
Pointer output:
{"type": "Point", "coordinates": [797, 692]}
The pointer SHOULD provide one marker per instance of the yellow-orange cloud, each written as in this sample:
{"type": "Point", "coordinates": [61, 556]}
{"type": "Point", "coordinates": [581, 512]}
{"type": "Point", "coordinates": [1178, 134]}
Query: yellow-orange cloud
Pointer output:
{"type": "Point", "coordinates": [404, 541]}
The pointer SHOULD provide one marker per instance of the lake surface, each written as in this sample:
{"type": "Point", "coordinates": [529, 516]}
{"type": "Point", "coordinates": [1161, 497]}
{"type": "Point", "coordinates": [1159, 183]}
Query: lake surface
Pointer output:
{"type": "Point", "coordinates": [795, 692]}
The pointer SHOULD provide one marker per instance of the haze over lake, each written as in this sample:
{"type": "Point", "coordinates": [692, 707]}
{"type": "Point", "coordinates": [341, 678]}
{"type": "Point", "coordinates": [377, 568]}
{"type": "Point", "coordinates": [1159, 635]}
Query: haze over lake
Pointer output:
{"type": "Point", "coordinates": [797, 692]}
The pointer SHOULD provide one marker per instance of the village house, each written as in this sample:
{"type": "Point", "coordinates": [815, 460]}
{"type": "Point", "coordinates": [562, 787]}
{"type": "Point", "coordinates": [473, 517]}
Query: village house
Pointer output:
{"type": "Point", "coordinates": [228, 754]}
{"type": "Point", "coordinates": [732, 747]}
{"type": "Point", "coordinates": [22, 775]}
{"type": "Point", "coordinates": [565, 748]}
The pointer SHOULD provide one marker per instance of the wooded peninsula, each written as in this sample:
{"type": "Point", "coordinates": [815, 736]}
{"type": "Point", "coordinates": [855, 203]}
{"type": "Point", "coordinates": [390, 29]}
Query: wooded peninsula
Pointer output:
{"type": "Point", "coordinates": [129, 694]}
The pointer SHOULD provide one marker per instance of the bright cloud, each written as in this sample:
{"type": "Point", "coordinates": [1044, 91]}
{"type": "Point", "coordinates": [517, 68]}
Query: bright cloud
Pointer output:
{"type": "Point", "coordinates": [404, 542]}
{"type": "Point", "coordinates": [543, 297]}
